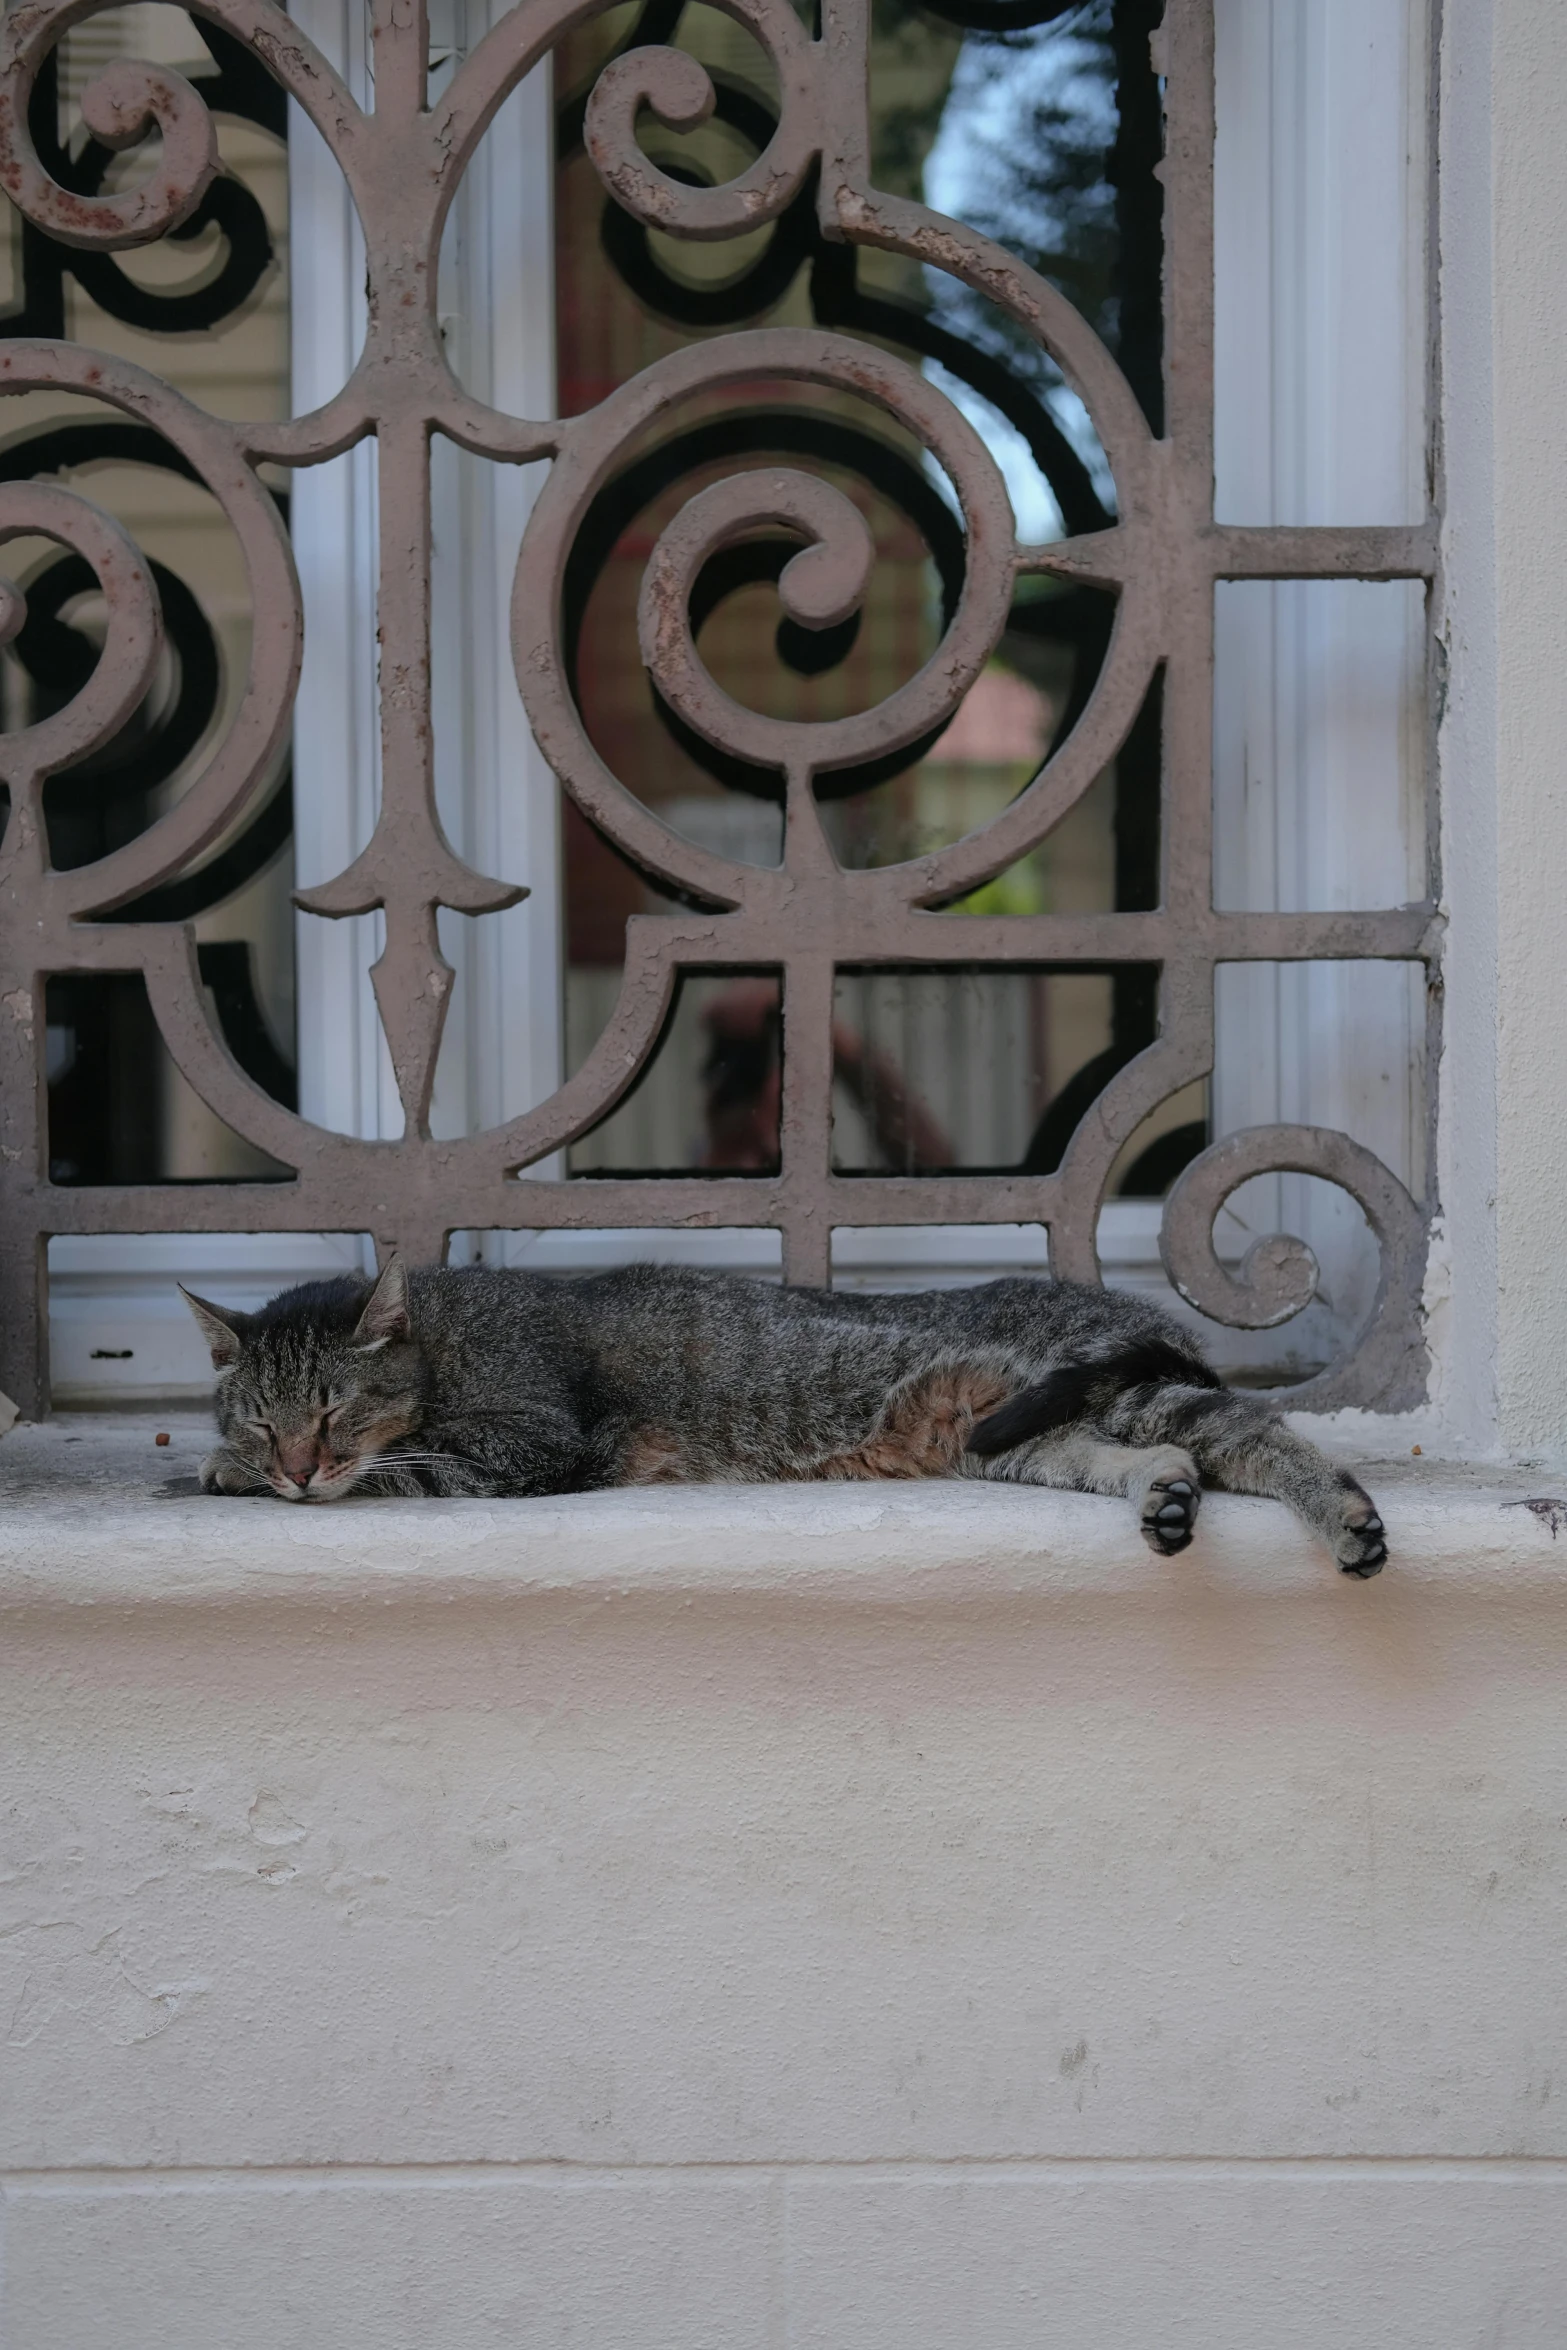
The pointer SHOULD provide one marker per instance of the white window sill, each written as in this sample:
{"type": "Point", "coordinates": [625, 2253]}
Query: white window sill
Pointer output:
{"type": "Point", "coordinates": [90, 1519]}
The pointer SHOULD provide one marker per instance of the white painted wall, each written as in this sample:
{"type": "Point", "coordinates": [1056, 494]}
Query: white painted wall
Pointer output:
{"type": "Point", "coordinates": [835, 1919]}
{"type": "Point", "coordinates": [1504, 356]}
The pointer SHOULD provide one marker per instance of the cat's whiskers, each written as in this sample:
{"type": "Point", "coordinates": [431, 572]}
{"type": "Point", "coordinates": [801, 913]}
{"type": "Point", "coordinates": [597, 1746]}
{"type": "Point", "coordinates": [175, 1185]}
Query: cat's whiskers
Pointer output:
{"type": "Point", "coordinates": [343, 1473]}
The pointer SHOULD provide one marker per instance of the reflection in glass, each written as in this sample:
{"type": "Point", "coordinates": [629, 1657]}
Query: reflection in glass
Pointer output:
{"type": "Point", "coordinates": [976, 1071]}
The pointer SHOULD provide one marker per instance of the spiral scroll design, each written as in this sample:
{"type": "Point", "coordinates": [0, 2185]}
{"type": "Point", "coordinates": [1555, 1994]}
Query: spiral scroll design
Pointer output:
{"type": "Point", "coordinates": [237, 89]}
{"type": "Point", "coordinates": [1151, 559]}
{"type": "Point", "coordinates": [680, 91]}
{"type": "Point", "coordinates": [124, 669]}
{"type": "Point", "coordinates": [818, 588]}
{"type": "Point", "coordinates": [826, 584]}
{"type": "Point", "coordinates": [1278, 1274]}
{"type": "Point", "coordinates": [213, 454]}
{"type": "Point", "coordinates": [125, 103]}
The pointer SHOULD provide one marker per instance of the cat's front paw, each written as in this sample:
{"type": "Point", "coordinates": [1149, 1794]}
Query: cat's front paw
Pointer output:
{"type": "Point", "coordinates": [1170, 1505]}
{"type": "Point", "coordinates": [224, 1472]}
{"type": "Point", "coordinates": [1361, 1546]}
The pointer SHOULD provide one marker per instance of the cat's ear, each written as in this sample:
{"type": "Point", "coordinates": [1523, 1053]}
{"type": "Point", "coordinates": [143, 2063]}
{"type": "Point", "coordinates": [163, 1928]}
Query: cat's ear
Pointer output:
{"type": "Point", "coordinates": [385, 1317]}
{"type": "Point", "coordinates": [221, 1326]}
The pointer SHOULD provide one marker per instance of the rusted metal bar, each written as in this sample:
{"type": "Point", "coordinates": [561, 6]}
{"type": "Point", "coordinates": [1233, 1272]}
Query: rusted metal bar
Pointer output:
{"type": "Point", "coordinates": [807, 920]}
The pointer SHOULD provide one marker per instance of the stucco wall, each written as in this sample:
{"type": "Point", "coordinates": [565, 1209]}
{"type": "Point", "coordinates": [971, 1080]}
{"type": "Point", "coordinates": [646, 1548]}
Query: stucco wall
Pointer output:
{"type": "Point", "coordinates": [1500, 1335]}
{"type": "Point", "coordinates": [855, 1918]}
{"type": "Point", "coordinates": [860, 1919]}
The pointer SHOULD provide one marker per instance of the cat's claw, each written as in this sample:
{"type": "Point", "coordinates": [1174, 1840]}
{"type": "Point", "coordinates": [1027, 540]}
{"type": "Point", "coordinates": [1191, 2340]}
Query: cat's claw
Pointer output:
{"type": "Point", "coordinates": [1169, 1514]}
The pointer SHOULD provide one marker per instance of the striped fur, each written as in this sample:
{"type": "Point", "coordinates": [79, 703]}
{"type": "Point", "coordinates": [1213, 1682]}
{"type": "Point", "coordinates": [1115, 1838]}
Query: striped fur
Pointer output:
{"type": "Point", "coordinates": [477, 1381]}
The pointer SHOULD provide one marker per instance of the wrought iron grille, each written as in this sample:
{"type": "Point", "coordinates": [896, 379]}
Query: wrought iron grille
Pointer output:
{"type": "Point", "coordinates": [810, 918]}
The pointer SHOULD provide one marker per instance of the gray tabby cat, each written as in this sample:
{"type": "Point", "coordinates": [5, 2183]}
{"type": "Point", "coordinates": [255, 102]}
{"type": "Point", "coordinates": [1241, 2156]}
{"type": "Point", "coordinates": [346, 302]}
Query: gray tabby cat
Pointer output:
{"type": "Point", "coordinates": [476, 1381]}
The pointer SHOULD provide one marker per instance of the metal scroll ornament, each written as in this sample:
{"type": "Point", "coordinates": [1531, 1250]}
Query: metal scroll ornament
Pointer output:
{"type": "Point", "coordinates": [111, 795]}
{"type": "Point", "coordinates": [1160, 560]}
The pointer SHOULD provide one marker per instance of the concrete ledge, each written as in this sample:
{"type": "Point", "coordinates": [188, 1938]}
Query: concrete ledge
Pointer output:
{"type": "Point", "coordinates": [94, 1511]}
{"type": "Point", "coordinates": [855, 1918]}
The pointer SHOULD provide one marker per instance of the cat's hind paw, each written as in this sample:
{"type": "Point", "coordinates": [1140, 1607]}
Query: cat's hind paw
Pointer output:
{"type": "Point", "coordinates": [1170, 1506]}
{"type": "Point", "coordinates": [1361, 1545]}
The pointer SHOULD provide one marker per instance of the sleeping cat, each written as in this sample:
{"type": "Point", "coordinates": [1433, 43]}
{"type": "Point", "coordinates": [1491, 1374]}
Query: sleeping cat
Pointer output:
{"type": "Point", "coordinates": [474, 1381]}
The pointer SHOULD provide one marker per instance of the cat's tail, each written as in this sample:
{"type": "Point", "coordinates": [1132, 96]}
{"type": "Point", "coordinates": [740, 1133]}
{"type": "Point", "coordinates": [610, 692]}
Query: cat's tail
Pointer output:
{"type": "Point", "coordinates": [1066, 1394]}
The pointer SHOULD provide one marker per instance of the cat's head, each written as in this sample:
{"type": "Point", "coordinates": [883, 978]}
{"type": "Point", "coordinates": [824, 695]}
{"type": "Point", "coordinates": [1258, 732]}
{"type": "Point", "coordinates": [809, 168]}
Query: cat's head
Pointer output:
{"type": "Point", "coordinates": [314, 1388]}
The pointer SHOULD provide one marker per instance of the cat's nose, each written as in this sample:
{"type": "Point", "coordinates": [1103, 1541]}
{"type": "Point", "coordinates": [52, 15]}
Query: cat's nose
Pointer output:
{"type": "Point", "coordinates": [299, 1476]}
